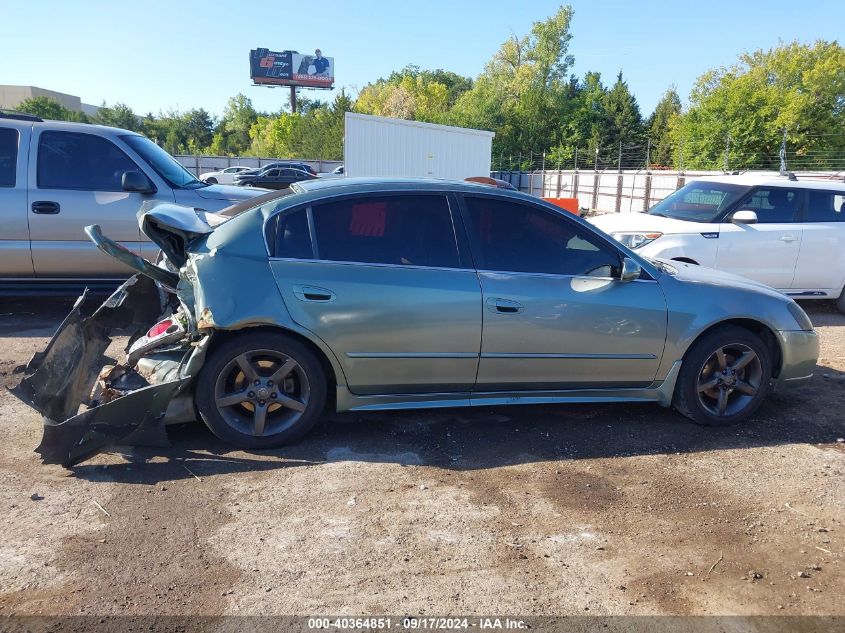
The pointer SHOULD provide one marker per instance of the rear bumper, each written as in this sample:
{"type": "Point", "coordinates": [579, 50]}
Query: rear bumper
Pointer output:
{"type": "Point", "coordinates": [800, 351]}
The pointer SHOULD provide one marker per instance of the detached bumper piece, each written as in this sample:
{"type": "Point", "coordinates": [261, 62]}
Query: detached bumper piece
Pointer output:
{"type": "Point", "coordinates": [136, 419]}
{"type": "Point", "coordinates": [61, 378]}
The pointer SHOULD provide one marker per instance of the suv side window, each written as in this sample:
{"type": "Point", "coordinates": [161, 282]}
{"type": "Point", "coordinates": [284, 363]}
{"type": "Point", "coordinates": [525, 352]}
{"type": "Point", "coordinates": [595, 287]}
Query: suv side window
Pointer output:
{"type": "Point", "coordinates": [773, 204]}
{"type": "Point", "coordinates": [513, 237]}
{"type": "Point", "coordinates": [825, 206]}
{"type": "Point", "coordinates": [405, 230]}
{"type": "Point", "coordinates": [9, 139]}
{"type": "Point", "coordinates": [71, 160]}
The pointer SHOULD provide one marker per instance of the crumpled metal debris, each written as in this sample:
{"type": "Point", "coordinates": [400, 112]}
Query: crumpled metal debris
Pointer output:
{"type": "Point", "coordinates": [61, 378]}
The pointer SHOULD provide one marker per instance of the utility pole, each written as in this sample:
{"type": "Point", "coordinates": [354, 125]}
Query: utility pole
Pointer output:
{"type": "Point", "coordinates": [783, 154]}
{"type": "Point", "coordinates": [648, 153]}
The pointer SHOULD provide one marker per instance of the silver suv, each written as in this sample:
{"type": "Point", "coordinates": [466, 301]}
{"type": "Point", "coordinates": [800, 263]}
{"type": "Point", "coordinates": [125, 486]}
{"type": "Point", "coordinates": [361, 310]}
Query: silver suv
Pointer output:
{"type": "Point", "coordinates": [58, 177]}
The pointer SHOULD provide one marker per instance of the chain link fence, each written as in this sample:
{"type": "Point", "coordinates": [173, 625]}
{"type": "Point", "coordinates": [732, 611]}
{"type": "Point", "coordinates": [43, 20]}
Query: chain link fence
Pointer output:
{"type": "Point", "coordinates": [626, 178]}
{"type": "Point", "coordinates": [819, 152]}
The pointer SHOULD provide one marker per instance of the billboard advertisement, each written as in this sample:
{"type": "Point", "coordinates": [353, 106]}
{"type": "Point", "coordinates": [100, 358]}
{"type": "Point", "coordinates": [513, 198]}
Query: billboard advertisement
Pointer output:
{"type": "Point", "coordinates": [290, 68]}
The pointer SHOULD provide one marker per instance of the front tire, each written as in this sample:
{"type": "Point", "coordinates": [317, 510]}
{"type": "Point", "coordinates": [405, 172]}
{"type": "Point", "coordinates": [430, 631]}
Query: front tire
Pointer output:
{"type": "Point", "coordinates": [261, 390]}
{"type": "Point", "coordinates": [840, 302]}
{"type": "Point", "coordinates": [724, 378]}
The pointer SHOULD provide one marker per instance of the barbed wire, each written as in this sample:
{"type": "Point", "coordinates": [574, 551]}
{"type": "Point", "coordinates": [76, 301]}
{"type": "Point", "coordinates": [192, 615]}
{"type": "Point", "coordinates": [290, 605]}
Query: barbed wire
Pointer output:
{"type": "Point", "coordinates": [627, 156]}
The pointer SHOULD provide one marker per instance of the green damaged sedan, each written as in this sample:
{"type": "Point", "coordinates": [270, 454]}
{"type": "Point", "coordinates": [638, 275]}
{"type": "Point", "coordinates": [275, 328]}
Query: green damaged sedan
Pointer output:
{"type": "Point", "coordinates": [373, 294]}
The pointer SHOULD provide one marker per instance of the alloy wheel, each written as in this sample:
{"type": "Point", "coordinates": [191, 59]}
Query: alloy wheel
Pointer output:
{"type": "Point", "coordinates": [729, 380]}
{"type": "Point", "coordinates": [262, 392]}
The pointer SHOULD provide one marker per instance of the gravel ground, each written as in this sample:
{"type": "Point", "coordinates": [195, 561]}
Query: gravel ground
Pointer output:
{"type": "Point", "coordinates": [558, 510]}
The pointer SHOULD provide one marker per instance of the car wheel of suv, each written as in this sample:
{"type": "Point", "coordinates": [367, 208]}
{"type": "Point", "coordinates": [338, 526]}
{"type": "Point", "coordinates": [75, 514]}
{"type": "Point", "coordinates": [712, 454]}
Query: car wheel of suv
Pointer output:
{"type": "Point", "coordinates": [840, 302]}
{"type": "Point", "coordinates": [261, 389]}
{"type": "Point", "coordinates": [211, 181]}
{"type": "Point", "coordinates": [724, 377]}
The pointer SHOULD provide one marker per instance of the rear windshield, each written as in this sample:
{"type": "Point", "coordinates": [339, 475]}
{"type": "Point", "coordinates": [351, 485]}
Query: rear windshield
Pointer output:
{"type": "Point", "coordinates": [699, 201]}
{"type": "Point", "coordinates": [269, 202]}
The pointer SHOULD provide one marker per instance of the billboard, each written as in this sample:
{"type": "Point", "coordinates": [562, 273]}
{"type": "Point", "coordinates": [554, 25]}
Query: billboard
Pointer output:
{"type": "Point", "coordinates": [289, 68]}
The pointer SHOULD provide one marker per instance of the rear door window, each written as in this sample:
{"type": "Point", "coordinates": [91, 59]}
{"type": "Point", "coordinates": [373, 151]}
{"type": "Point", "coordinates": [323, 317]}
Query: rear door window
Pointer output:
{"type": "Point", "coordinates": [825, 206]}
{"type": "Point", "coordinates": [293, 240]}
{"type": "Point", "coordinates": [403, 230]}
{"type": "Point", "coordinates": [8, 156]}
{"type": "Point", "coordinates": [70, 160]}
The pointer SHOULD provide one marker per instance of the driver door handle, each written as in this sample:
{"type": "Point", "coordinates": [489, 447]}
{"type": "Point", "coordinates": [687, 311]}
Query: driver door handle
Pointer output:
{"type": "Point", "coordinates": [45, 207]}
{"type": "Point", "coordinates": [788, 238]}
{"type": "Point", "coordinates": [504, 306]}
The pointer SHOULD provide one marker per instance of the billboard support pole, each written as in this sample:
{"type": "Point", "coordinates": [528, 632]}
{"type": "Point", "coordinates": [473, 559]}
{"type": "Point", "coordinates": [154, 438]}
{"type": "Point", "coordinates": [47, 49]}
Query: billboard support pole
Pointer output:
{"type": "Point", "coordinates": [293, 99]}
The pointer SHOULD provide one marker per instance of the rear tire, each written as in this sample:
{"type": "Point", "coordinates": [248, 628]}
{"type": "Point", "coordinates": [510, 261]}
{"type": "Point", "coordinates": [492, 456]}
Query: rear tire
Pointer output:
{"type": "Point", "coordinates": [261, 390]}
{"type": "Point", "coordinates": [724, 378]}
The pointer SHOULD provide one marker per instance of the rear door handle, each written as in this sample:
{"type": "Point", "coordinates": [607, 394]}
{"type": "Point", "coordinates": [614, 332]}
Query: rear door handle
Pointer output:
{"type": "Point", "coordinates": [46, 207]}
{"type": "Point", "coordinates": [313, 293]}
{"type": "Point", "coordinates": [504, 306]}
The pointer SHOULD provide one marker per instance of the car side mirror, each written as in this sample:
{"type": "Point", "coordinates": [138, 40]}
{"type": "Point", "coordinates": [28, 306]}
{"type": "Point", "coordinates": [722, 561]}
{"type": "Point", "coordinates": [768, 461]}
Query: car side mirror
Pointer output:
{"type": "Point", "coordinates": [744, 216]}
{"type": "Point", "coordinates": [631, 270]}
{"type": "Point", "coordinates": [136, 181]}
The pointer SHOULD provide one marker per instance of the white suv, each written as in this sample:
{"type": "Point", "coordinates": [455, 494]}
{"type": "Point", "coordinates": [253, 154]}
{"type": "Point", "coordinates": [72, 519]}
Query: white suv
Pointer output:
{"type": "Point", "coordinates": [783, 232]}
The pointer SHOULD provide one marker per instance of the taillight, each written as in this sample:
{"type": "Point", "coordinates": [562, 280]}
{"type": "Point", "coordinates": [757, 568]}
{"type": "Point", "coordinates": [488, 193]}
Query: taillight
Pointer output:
{"type": "Point", "coordinates": [160, 328]}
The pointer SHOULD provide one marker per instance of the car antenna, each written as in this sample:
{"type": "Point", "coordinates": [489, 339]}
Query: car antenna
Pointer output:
{"type": "Point", "coordinates": [791, 176]}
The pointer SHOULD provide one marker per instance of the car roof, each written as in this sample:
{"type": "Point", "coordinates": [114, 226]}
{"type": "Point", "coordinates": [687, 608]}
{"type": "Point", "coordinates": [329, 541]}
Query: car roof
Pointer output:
{"type": "Point", "coordinates": [773, 179]}
{"type": "Point", "coordinates": [370, 184]}
{"type": "Point", "coordinates": [69, 126]}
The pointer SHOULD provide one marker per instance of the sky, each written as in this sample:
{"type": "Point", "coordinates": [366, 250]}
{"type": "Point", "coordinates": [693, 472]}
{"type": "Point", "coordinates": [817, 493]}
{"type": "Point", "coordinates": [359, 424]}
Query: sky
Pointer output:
{"type": "Point", "coordinates": [159, 55]}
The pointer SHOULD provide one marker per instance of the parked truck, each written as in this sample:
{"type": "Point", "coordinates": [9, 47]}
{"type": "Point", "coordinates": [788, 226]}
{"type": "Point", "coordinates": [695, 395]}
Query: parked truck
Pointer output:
{"type": "Point", "coordinates": [381, 146]}
{"type": "Point", "coordinates": [57, 177]}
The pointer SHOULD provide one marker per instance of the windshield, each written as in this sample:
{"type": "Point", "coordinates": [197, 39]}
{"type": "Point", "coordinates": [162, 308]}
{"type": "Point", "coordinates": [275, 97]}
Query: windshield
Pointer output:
{"type": "Point", "coordinates": [699, 201]}
{"type": "Point", "coordinates": [163, 163]}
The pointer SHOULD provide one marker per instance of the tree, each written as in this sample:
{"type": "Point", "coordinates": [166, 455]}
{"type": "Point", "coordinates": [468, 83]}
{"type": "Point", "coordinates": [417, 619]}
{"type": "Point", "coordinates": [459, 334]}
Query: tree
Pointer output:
{"type": "Point", "coordinates": [412, 94]}
{"type": "Point", "coordinates": [624, 124]}
{"type": "Point", "coordinates": [662, 147]}
{"type": "Point", "coordinates": [119, 115]}
{"type": "Point", "coordinates": [316, 133]}
{"type": "Point", "coordinates": [523, 93]}
{"type": "Point", "coordinates": [198, 129]}
{"type": "Point", "coordinates": [48, 108]}
{"type": "Point", "coordinates": [587, 125]}
{"type": "Point", "coordinates": [799, 88]}
{"type": "Point", "coordinates": [238, 118]}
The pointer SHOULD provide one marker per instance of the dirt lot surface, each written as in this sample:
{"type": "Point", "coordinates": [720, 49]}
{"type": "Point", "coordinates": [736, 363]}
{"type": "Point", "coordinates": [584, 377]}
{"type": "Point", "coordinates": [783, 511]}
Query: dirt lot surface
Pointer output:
{"type": "Point", "coordinates": [534, 510]}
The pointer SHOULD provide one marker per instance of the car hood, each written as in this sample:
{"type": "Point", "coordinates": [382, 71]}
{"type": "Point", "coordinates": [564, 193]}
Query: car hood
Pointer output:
{"type": "Point", "coordinates": [618, 222]}
{"type": "Point", "coordinates": [227, 192]}
{"type": "Point", "coordinates": [692, 273]}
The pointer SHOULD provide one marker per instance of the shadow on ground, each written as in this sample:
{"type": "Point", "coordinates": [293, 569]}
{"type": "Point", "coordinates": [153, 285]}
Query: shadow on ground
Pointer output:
{"type": "Point", "coordinates": [477, 439]}
{"type": "Point", "coordinates": [470, 439]}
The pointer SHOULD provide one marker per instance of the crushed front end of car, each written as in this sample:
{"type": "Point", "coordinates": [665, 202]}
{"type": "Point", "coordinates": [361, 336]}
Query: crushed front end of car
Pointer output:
{"type": "Point", "coordinates": [90, 403]}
